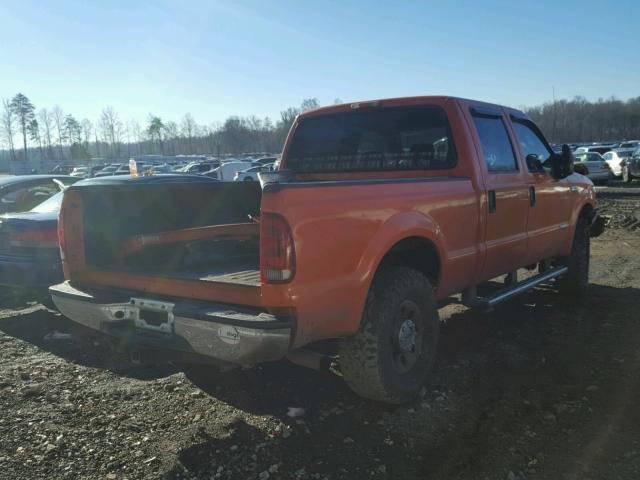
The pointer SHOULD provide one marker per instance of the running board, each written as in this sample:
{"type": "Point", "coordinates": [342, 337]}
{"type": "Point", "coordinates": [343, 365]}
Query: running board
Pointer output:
{"type": "Point", "coordinates": [487, 303]}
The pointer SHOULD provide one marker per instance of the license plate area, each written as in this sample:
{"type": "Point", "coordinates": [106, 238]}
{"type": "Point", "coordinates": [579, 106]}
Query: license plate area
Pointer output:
{"type": "Point", "coordinates": [153, 315]}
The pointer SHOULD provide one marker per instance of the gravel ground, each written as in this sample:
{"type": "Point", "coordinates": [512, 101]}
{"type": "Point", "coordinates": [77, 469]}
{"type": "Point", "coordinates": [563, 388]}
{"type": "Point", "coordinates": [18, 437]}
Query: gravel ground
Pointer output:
{"type": "Point", "coordinates": [541, 388]}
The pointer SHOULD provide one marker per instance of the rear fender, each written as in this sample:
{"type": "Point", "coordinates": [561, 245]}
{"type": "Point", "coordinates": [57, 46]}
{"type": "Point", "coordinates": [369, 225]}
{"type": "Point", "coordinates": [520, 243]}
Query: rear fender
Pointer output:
{"type": "Point", "coordinates": [394, 230]}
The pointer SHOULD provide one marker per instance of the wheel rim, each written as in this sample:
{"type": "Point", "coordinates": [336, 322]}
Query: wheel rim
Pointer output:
{"type": "Point", "coordinates": [625, 174]}
{"type": "Point", "coordinates": [407, 337]}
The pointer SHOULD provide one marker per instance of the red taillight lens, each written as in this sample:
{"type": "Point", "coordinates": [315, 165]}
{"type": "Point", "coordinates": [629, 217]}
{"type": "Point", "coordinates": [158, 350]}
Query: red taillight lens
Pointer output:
{"type": "Point", "coordinates": [34, 239]}
{"type": "Point", "coordinates": [277, 252]}
{"type": "Point", "coordinates": [61, 241]}
{"type": "Point", "coordinates": [606, 166]}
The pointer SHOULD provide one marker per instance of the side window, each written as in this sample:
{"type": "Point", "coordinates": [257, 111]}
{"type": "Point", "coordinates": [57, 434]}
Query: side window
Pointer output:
{"type": "Point", "coordinates": [496, 146]}
{"type": "Point", "coordinates": [532, 147]}
{"type": "Point", "coordinates": [607, 156]}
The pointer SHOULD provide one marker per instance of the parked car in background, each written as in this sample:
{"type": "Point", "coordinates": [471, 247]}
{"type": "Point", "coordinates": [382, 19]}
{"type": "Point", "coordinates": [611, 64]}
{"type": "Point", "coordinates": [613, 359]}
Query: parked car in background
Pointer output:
{"type": "Point", "coordinates": [29, 250]}
{"type": "Point", "coordinates": [601, 149]}
{"type": "Point", "coordinates": [156, 169]}
{"type": "Point", "coordinates": [596, 168]}
{"type": "Point", "coordinates": [227, 171]}
{"type": "Point", "coordinates": [23, 192]}
{"type": "Point", "coordinates": [615, 159]}
{"type": "Point", "coordinates": [107, 171]}
{"type": "Point", "coordinates": [195, 168]}
{"type": "Point", "coordinates": [632, 144]}
{"type": "Point", "coordinates": [81, 172]}
{"type": "Point", "coordinates": [251, 174]}
{"type": "Point", "coordinates": [631, 166]}
{"type": "Point", "coordinates": [62, 169]}
{"type": "Point", "coordinates": [266, 160]}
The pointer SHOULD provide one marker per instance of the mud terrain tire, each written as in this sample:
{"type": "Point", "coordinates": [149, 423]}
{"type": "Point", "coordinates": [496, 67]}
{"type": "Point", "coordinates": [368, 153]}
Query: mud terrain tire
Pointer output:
{"type": "Point", "coordinates": [576, 280]}
{"type": "Point", "coordinates": [390, 357]}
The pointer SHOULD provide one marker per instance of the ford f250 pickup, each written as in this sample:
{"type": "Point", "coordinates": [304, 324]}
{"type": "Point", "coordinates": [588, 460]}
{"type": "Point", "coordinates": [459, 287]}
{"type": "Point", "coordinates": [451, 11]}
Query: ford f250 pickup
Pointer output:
{"type": "Point", "coordinates": [382, 210]}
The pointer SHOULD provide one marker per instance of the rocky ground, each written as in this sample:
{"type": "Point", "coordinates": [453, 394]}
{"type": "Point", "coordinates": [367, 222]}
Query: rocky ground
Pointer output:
{"type": "Point", "coordinates": [541, 388]}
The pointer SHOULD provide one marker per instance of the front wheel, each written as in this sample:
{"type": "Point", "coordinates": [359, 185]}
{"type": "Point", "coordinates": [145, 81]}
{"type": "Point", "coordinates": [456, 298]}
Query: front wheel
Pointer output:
{"type": "Point", "coordinates": [391, 355]}
{"type": "Point", "coordinates": [576, 280]}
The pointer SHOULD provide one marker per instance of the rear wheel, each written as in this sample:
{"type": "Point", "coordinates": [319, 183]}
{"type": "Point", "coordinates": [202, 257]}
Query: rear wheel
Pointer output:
{"type": "Point", "coordinates": [626, 175]}
{"type": "Point", "coordinates": [576, 280]}
{"type": "Point", "coordinates": [390, 357]}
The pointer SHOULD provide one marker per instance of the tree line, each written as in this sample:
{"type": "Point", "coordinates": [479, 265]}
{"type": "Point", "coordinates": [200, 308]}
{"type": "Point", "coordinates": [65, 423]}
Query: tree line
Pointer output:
{"type": "Point", "coordinates": [51, 134]}
{"type": "Point", "coordinates": [579, 120]}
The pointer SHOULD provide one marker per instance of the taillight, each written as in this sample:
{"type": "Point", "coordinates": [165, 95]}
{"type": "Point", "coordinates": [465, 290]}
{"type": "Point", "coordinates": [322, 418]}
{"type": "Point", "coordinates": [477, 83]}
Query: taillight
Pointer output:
{"type": "Point", "coordinates": [61, 241]}
{"type": "Point", "coordinates": [277, 252]}
{"type": "Point", "coordinates": [606, 166]}
{"type": "Point", "coordinates": [34, 239]}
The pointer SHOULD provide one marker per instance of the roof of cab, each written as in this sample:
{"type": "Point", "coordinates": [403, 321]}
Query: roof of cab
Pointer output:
{"type": "Point", "coordinates": [402, 101]}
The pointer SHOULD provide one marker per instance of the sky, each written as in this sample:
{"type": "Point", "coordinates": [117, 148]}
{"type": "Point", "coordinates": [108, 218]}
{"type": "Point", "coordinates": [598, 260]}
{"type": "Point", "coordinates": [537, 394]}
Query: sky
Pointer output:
{"type": "Point", "coordinates": [254, 57]}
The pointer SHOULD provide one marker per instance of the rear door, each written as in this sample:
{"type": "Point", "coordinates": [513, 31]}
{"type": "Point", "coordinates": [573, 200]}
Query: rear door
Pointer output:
{"type": "Point", "coordinates": [506, 195]}
{"type": "Point", "coordinates": [550, 201]}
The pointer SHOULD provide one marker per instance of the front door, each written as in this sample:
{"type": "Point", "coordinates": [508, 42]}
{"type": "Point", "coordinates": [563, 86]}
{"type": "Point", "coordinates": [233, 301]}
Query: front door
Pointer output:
{"type": "Point", "coordinates": [551, 201]}
{"type": "Point", "coordinates": [506, 197]}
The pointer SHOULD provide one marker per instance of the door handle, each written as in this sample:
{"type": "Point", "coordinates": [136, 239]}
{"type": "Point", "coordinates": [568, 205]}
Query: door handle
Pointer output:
{"type": "Point", "coordinates": [532, 196]}
{"type": "Point", "coordinates": [491, 199]}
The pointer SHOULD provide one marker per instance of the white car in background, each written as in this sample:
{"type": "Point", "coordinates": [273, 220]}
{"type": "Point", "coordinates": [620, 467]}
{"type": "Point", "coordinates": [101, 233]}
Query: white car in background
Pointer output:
{"type": "Point", "coordinates": [251, 174]}
{"type": "Point", "coordinates": [614, 158]}
{"type": "Point", "coordinates": [81, 172]}
{"type": "Point", "coordinates": [227, 171]}
{"type": "Point", "coordinates": [596, 168]}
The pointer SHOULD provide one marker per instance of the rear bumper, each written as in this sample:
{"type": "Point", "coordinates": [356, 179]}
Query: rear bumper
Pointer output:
{"type": "Point", "coordinates": [220, 332]}
{"type": "Point", "coordinates": [29, 272]}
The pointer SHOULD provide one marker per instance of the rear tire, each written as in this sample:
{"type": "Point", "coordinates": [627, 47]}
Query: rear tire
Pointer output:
{"type": "Point", "coordinates": [576, 280]}
{"type": "Point", "coordinates": [390, 357]}
{"type": "Point", "coordinates": [626, 175]}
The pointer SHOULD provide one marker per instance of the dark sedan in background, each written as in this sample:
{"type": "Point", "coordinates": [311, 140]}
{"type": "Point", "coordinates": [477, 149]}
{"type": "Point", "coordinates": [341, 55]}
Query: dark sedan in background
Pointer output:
{"type": "Point", "coordinates": [29, 252]}
{"type": "Point", "coordinates": [23, 192]}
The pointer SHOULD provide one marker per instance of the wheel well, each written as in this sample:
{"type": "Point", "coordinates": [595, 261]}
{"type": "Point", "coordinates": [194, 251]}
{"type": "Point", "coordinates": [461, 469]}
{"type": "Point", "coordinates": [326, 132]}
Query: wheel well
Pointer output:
{"type": "Point", "coordinates": [586, 211]}
{"type": "Point", "coordinates": [418, 253]}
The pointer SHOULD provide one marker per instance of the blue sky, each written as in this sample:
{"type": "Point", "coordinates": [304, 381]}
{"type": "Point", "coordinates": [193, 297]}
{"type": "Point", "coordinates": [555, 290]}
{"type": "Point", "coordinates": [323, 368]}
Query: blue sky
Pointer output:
{"type": "Point", "coordinates": [216, 59]}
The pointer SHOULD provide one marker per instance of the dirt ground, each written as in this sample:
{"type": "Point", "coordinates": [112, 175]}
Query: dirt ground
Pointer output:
{"type": "Point", "coordinates": [541, 388]}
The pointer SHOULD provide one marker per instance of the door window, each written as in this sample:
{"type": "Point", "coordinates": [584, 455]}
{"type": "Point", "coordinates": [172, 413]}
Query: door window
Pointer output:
{"type": "Point", "coordinates": [496, 146]}
{"type": "Point", "coordinates": [532, 147]}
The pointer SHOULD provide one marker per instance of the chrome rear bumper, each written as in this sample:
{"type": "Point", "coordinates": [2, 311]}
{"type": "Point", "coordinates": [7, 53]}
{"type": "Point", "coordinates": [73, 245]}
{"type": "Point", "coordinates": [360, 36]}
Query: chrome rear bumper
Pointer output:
{"type": "Point", "coordinates": [220, 332]}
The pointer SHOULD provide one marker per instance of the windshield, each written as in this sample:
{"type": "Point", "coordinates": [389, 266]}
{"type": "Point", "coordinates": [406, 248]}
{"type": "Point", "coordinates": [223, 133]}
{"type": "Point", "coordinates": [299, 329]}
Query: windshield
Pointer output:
{"type": "Point", "coordinates": [52, 204]}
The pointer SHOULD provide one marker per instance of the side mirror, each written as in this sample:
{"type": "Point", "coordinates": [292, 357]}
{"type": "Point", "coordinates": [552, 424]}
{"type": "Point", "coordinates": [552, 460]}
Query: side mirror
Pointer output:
{"type": "Point", "coordinates": [562, 163]}
{"type": "Point", "coordinates": [533, 163]}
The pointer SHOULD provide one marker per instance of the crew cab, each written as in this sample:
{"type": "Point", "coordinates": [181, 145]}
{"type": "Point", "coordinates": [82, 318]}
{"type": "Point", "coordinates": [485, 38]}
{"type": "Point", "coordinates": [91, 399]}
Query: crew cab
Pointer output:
{"type": "Point", "coordinates": [379, 211]}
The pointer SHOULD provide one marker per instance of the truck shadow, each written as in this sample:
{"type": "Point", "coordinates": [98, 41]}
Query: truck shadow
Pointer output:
{"type": "Point", "coordinates": [54, 333]}
{"type": "Point", "coordinates": [515, 334]}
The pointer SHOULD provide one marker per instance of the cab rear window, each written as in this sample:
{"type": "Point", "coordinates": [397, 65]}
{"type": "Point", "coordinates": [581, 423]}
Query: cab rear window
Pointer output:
{"type": "Point", "coordinates": [379, 139]}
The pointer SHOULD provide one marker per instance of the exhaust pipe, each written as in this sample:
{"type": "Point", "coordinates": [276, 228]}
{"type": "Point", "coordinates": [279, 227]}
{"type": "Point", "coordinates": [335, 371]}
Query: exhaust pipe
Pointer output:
{"type": "Point", "coordinates": [310, 359]}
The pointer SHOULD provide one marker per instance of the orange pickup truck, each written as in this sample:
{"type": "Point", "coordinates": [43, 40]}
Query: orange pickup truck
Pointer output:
{"type": "Point", "coordinates": [379, 211]}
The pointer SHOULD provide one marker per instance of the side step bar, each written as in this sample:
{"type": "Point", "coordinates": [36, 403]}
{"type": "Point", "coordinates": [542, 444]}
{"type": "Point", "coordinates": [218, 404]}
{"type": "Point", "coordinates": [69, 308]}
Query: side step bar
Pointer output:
{"type": "Point", "coordinates": [486, 303]}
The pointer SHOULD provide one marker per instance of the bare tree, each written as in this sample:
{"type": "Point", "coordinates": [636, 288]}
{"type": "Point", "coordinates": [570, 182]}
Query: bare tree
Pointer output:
{"type": "Point", "coordinates": [188, 127]}
{"type": "Point", "coordinates": [58, 120]}
{"type": "Point", "coordinates": [111, 128]}
{"type": "Point", "coordinates": [8, 127]}
{"type": "Point", "coordinates": [86, 128]}
{"type": "Point", "coordinates": [23, 110]}
{"type": "Point", "coordinates": [45, 121]}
